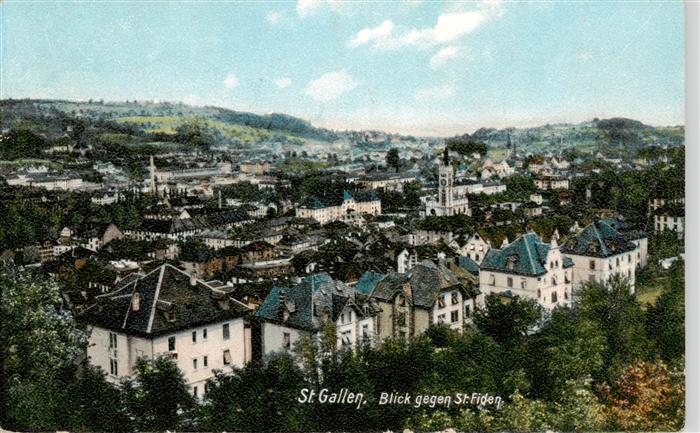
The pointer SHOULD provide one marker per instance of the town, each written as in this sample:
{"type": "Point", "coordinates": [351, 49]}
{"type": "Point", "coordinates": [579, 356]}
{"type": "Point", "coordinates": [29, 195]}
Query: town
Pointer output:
{"type": "Point", "coordinates": [218, 240]}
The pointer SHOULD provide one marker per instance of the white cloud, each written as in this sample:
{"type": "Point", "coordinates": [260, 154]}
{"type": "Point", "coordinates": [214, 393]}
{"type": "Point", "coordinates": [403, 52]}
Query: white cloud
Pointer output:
{"type": "Point", "coordinates": [369, 34]}
{"type": "Point", "coordinates": [274, 17]}
{"type": "Point", "coordinates": [437, 93]}
{"type": "Point", "coordinates": [330, 86]}
{"type": "Point", "coordinates": [230, 81]}
{"type": "Point", "coordinates": [283, 82]}
{"type": "Point", "coordinates": [309, 7]}
{"type": "Point", "coordinates": [443, 56]}
{"type": "Point", "coordinates": [450, 25]}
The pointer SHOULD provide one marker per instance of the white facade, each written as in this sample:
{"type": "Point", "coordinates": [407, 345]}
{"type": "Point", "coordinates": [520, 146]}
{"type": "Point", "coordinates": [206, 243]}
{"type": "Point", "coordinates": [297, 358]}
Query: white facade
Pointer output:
{"type": "Point", "coordinates": [550, 289]}
{"type": "Point", "coordinates": [453, 309]}
{"type": "Point", "coordinates": [600, 269]}
{"type": "Point", "coordinates": [475, 248]}
{"type": "Point", "coordinates": [197, 351]}
{"type": "Point", "coordinates": [671, 223]}
{"type": "Point", "coordinates": [334, 213]}
{"type": "Point", "coordinates": [451, 200]}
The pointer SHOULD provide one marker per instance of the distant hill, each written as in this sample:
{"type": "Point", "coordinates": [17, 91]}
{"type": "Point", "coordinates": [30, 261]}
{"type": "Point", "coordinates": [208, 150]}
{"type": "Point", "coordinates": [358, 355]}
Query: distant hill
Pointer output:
{"type": "Point", "coordinates": [143, 123]}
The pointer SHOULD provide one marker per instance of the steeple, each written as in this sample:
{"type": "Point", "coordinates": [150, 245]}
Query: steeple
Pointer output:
{"type": "Point", "coordinates": [152, 177]}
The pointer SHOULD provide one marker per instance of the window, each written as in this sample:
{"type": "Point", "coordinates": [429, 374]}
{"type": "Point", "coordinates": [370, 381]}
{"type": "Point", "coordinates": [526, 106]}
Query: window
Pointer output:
{"type": "Point", "coordinates": [591, 265]}
{"type": "Point", "coordinates": [112, 340]}
{"type": "Point", "coordinates": [441, 302]}
{"type": "Point", "coordinates": [554, 297]}
{"type": "Point", "coordinates": [454, 316]}
{"type": "Point", "coordinates": [523, 283]}
{"type": "Point", "coordinates": [455, 298]}
{"type": "Point", "coordinates": [566, 294]}
{"type": "Point", "coordinates": [510, 282]}
{"type": "Point", "coordinates": [286, 340]}
{"type": "Point", "coordinates": [227, 357]}
{"type": "Point", "coordinates": [113, 367]}
{"type": "Point", "coordinates": [492, 280]}
{"type": "Point", "coordinates": [194, 337]}
{"type": "Point", "coordinates": [467, 310]}
{"type": "Point", "coordinates": [441, 318]}
{"type": "Point", "coordinates": [204, 334]}
{"type": "Point", "coordinates": [194, 364]}
{"type": "Point", "coordinates": [171, 343]}
{"type": "Point", "coordinates": [629, 258]}
{"type": "Point", "coordinates": [617, 262]}
{"type": "Point", "coordinates": [477, 258]}
{"type": "Point", "coordinates": [194, 391]}
{"type": "Point", "coordinates": [345, 338]}
{"type": "Point", "coordinates": [205, 361]}
{"type": "Point", "coordinates": [365, 330]}
{"type": "Point", "coordinates": [226, 331]}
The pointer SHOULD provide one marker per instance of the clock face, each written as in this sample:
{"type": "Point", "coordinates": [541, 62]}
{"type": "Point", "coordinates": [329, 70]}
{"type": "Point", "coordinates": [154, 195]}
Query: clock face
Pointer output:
{"type": "Point", "coordinates": [443, 182]}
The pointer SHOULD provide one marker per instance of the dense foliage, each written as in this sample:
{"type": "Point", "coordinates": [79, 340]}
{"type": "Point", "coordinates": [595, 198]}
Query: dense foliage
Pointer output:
{"type": "Point", "coordinates": [605, 364]}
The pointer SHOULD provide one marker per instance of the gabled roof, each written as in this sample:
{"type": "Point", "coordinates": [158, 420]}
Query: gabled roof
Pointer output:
{"type": "Point", "coordinates": [168, 303]}
{"type": "Point", "coordinates": [307, 302]}
{"type": "Point", "coordinates": [426, 280]}
{"type": "Point", "coordinates": [468, 264]}
{"type": "Point", "coordinates": [368, 281]}
{"type": "Point", "coordinates": [598, 239]}
{"type": "Point", "coordinates": [527, 255]}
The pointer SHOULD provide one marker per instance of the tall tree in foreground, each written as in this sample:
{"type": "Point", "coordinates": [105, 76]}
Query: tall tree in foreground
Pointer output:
{"type": "Point", "coordinates": [40, 343]}
{"type": "Point", "coordinates": [158, 398]}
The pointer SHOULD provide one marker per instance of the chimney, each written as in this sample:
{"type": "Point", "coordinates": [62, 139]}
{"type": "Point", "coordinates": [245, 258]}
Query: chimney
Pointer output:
{"type": "Point", "coordinates": [441, 257]}
{"type": "Point", "coordinates": [193, 280]}
{"type": "Point", "coordinates": [135, 301]}
{"type": "Point", "coordinates": [283, 297]}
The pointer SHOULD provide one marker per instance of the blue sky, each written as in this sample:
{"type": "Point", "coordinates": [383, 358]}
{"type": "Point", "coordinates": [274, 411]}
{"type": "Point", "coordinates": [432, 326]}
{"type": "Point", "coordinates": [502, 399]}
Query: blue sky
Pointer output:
{"type": "Point", "coordinates": [423, 67]}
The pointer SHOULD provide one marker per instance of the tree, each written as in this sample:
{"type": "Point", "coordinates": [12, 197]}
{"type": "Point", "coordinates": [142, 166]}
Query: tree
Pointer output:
{"type": "Point", "coordinates": [466, 145]}
{"type": "Point", "coordinates": [507, 321]}
{"type": "Point", "coordinates": [257, 397]}
{"type": "Point", "coordinates": [618, 314]}
{"type": "Point", "coordinates": [665, 320]}
{"type": "Point", "coordinates": [158, 398]}
{"type": "Point", "coordinates": [393, 159]}
{"type": "Point", "coordinates": [98, 403]}
{"type": "Point", "coordinates": [647, 396]}
{"type": "Point", "coordinates": [39, 344]}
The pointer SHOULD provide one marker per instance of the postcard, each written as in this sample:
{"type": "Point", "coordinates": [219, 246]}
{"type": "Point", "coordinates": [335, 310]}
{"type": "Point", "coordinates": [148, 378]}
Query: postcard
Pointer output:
{"type": "Point", "coordinates": [351, 216]}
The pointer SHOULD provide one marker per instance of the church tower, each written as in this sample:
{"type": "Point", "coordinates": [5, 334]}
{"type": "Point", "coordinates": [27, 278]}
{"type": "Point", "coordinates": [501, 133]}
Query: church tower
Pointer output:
{"type": "Point", "coordinates": [446, 174]}
{"type": "Point", "coordinates": [152, 176]}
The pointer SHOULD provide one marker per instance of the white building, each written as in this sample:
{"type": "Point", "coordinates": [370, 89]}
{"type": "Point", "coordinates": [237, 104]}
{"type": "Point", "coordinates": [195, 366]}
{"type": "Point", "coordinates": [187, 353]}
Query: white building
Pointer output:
{"type": "Point", "coordinates": [451, 200]}
{"type": "Point", "coordinates": [168, 313]}
{"type": "Point", "coordinates": [476, 248]}
{"type": "Point", "coordinates": [670, 217]}
{"type": "Point", "coordinates": [600, 251]}
{"type": "Point", "coordinates": [529, 268]}
{"type": "Point", "coordinates": [289, 314]}
{"type": "Point", "coordinates": [352, 205]}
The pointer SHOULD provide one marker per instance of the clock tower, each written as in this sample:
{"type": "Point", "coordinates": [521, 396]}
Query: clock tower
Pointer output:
{"type": "Point", "coordinates": [445, 182]}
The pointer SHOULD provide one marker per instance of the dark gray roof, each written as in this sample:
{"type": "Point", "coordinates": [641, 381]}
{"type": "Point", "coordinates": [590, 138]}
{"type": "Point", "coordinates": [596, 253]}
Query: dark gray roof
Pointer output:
{"type": "Point", "coordinates": [308, 302]}
{"type": "Point", "coordinates": [527, 255]}
{"type": "Point", "coordinates": [164, 291]}
{"type": "Point", "coordinates": [598, 239]}
{"type": "Point", "coordinates": [426, 280]}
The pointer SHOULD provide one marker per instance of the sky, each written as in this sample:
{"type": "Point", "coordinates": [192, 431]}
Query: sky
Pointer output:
{"type": "Point", "coordinates": [418, 67]}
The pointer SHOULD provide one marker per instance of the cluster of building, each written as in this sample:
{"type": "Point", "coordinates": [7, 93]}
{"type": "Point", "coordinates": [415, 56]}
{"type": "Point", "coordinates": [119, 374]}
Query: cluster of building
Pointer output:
{"type": "Point", "coordinates": [258, 286]}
